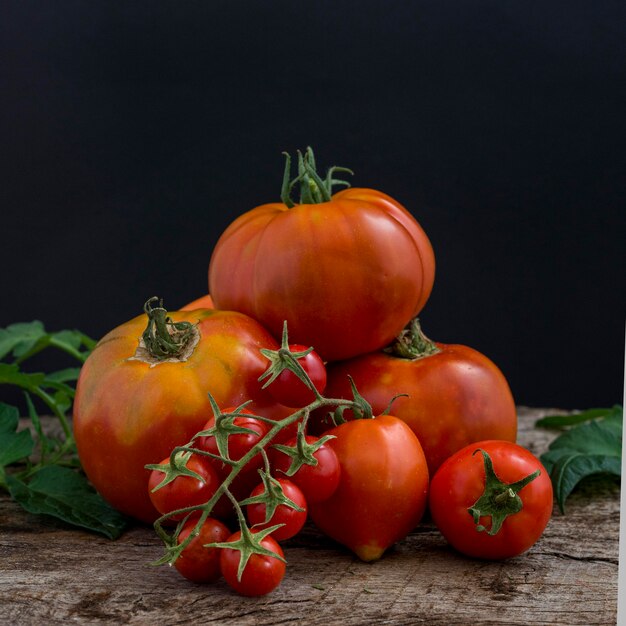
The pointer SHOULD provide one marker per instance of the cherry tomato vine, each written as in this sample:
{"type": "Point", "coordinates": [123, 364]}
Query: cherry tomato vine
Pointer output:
{"type": "Point", "coordinates": [251, 541]}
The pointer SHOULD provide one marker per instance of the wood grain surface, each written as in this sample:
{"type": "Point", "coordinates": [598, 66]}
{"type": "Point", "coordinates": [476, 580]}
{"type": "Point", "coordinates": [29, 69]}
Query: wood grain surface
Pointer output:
{"type": "Point", "coordinates": [52, 574]}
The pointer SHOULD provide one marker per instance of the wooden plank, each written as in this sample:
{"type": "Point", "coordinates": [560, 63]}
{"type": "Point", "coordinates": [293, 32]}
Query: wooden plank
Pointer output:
{"type": "Point", "coordinates": [50, 574]}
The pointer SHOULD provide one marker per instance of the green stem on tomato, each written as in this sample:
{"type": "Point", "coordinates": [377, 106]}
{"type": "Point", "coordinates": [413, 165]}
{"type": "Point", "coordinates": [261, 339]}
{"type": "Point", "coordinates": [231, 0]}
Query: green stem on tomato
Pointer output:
{"type": "Point", "coordinates": [313, 188]}
{"type": "Point", "coordinates": [52, 405]}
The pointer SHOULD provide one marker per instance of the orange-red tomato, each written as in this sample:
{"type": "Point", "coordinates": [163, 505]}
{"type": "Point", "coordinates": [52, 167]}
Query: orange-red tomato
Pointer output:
{"type": "Point", "coordinates": [346, 274]}
{"type": "Point", "coordinates": [204, 302]}
{"type": "Point", "coordinates": [129, 412]}
{"type": "Point", "coordinates": [383, 488]}
{"type": "Point", "coordinates": [455, 397]}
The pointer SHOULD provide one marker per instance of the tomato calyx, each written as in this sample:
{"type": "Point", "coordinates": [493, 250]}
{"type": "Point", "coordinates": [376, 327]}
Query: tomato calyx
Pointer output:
{"type": "Point", "coordinates": [313, 189]}
{"type": "Point", "coordinates": [499, 499]}
{"type": "Point", "coordinates": [284, 359]}
{"type": "Point", "coordinates": [225, 426]}
{"type": "Point", "coordinates": [272, 497]}
{"type": "Point", "coordinates": [361, 408]}
{"type": "Point", "coordinates": [303, 452]}
{"type": "Point", "coordinates": [249, 543]}
{"type": "Point", "coordinates": [175, 468]}
{"type": "Point", "coordinates": [412, 343]}
{"type": "Point", "coordinates": [164, 340]}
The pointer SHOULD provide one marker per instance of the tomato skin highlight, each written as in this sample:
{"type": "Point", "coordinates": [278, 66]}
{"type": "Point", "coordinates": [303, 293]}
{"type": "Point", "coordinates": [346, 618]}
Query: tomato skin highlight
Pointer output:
{"type": "Point", "coordinates": [459, 483]}
{"type": "Point", "coordinates": [289, 390]}
{"type": "Point", "coordinates": [183, 491]}
{"type": "Point", "coordinates": [455, 396]}
{"type": "Point", "coordinates": [317, 482]}
{"type": "Point", "coordinates": [383, 488]}
{"type": "Point", "coordinates": [128, 414]}
{"type": "Point", "coordinates": [361, 269]}
{"type": "Point", "coordinates": [197, 563]}
{"type": "Point", "coordinates": [262, 573]}
{"type": "Point", "coordinates": [293, 520]}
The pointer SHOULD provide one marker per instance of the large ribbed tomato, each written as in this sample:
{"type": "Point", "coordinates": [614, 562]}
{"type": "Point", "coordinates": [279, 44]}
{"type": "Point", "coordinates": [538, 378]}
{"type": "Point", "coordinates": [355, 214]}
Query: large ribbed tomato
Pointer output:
{"type": "Point", "coordinates": [456, 395]}
{"type": "Point", "coordinates": [346, 271]}
{"type": "Point", "coordinates": [131, 409]}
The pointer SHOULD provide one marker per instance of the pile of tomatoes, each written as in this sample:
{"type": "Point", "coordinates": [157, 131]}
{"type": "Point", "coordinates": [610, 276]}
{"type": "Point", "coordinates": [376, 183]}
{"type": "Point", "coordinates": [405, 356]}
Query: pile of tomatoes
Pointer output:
{"type": "Point", "coordinates": [228, 440]}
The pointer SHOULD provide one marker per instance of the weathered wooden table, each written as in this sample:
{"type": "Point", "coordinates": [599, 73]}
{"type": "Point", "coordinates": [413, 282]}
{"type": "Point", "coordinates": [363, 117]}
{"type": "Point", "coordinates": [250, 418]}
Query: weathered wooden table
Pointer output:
{"type": "Point", "coordinates": [51, 574]}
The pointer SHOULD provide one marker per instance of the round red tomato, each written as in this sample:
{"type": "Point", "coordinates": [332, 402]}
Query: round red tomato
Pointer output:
{"type": "Point", "coordinates": [456, 395]}
{"type": "Point", "coordinates": [195, 562]}
{"type": "Point", "coordinates": [317, 482]}
{"type": "Point", "coordinates": [383, 488]}
{"type": "Point", "coordinates": [183, 491]}
{"type": "Point", "coordinates": [289, 390]}
{"type": "Point", "coordinates": [261, 574]}
{"type": "Point", "coordinates": [239, 444]}
{"type": "Point", "coordinates": [131, 409]}
{"type": "Point", "coordinates": [292, 519]}
{"type": "Point", "coordinates": [347, 271]}
{"type": "Point", "coordinates": [467, 519]}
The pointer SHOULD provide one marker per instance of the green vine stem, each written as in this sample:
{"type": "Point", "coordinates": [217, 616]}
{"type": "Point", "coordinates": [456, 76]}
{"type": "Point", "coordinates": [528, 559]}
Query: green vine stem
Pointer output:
{"type": "Point", "coordinates": [313, 188]}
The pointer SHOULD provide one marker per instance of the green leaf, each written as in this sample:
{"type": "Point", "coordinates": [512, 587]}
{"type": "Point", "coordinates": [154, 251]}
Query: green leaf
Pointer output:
{"type": "Point", "coordinates": [571, 469]}
{"type": "Point", "coordinates": [560, 421]}
{"type": "Point", "coordinates": [20, 338]}
{"type": "Point", "coordinates": [69, 338]}
{"type": "Point", "coordinates": [590, 448]}
{"type": "Point", "coordinates": [11, 374]}
{"type": "Point", "coordinates": [64, 376]}
{"type": "Point", "coordinates": [66, 495]}
{"type": "Point", "coordinates": [13, 445]}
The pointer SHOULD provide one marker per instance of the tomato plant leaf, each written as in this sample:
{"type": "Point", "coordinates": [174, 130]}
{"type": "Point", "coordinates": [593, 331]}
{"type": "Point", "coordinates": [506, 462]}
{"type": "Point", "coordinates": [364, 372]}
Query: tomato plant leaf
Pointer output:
{"type": "Point", "coordinates": [14, 445]}
{"type": "Point", "coordinates": [20, 338]}
{"type": "Point", "coordinates": [572, 419]}
{"type": "Point", "coordinates": [593, 447]}
{"type": "Point", "coordinates": [11, 374]}
{"type": "Point", "coordinates": [67, 375]}
{"type": "Point", "coordinates": [66, 495]}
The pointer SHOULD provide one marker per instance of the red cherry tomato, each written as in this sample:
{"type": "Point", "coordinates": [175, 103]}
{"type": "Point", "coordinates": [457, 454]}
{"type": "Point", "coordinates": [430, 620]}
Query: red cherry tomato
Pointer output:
{"type": "Point", "coordinates": [459, 484]}
{"type": "Point", "coordinates": [239, 444]}
{"type": "Point", "coordinates": [197, 563]}
{"type": "Point", "coordinates": [292, 519]}
{"type": "Point", "coordinates": [183, 491]}
{"type": "Point", "coordinates": [317, 482]}
{"type": "Point", "coordinates": [261, 574]}
{"type": "Point", "coordinates": [289, 390]}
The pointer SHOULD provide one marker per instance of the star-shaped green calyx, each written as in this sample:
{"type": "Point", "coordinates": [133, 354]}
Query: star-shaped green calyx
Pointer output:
{"type": "Point", "coordinates": [175, 468]}
{"type": "Point", "coordinates": [272, 497]}
{"type": "Point", "coordinates": [499, 499]}
{"type": "Point", "coordinates": [303, 453]}
{"type": "Point", "coordinates": [284, 359]}
{"type": "Point", "coordinates": [225, 426]}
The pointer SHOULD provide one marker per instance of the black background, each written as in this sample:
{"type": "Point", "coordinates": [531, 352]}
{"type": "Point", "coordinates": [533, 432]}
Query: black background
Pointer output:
{"type": "Point", "coordinates": [134, 132]}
